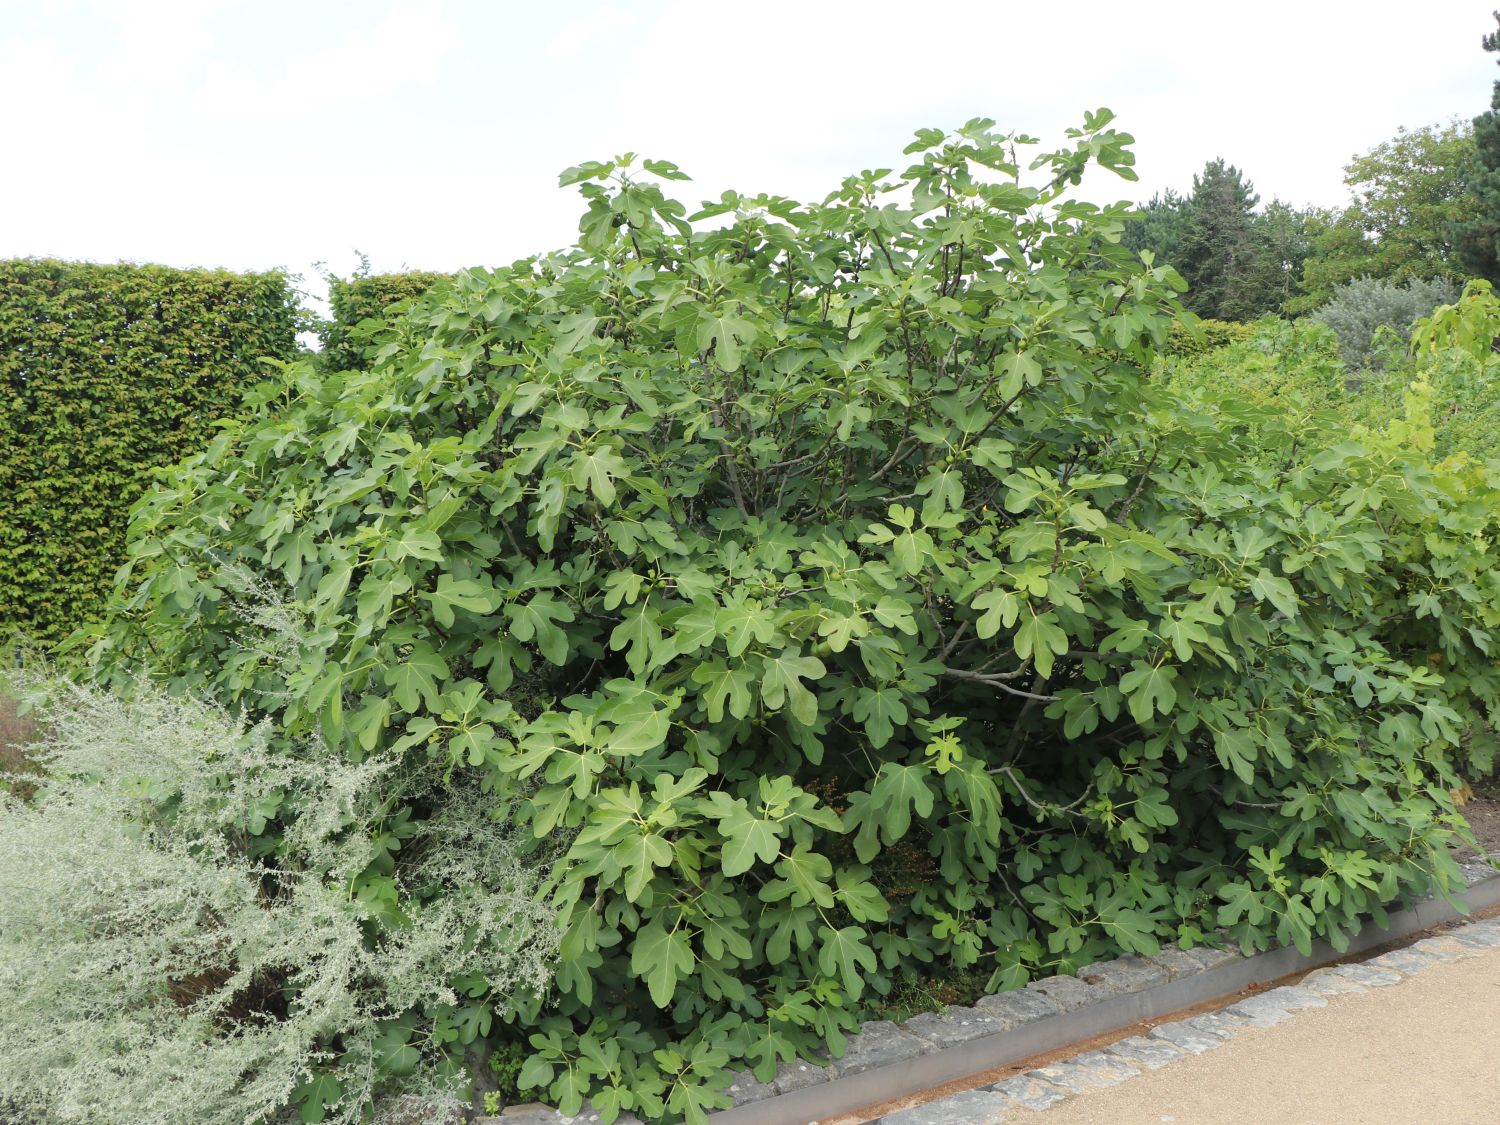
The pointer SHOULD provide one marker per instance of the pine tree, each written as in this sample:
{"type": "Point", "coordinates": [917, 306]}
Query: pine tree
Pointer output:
{"type": "Point", "coordinates": [1478, 238]}
{"type": "Point", "coordinates": [1219, 252]}
{"type": "Point", "coordinates": [1240, 263]}
{"type": "Point", "coordinates": [1160, 227]}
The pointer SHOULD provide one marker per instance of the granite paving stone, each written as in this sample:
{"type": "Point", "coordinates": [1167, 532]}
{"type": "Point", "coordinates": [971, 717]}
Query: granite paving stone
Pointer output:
{"type": "Point", "coordinates": [1258, 1012]}
{"type": "Point", "coordinates": [1077, 1076]}
{"type": "Point", "coordinates": [1178, 962]}
{"type": "Point", "coordinates": [744, 1089]}
{"type": "Point", "coordinates": [1475, 873]}
{"type": "Point", "coordinates": [801, 1074]}
{"type": "Point", "coordinates": [1269, 1008]}
{"type": "Point", "coordinates": [1131, 973]}
{"type": "Point", "coordinates": [1069, 1078]}
{"type": "Point", "coordinates": [879, 1043]}
{"type": "Point", "coordinates": [1211, 958]}
{"type": "Point", "coordinates": [1477, 937]}
{"type": "Point", "coordinates": [1188, 1038]}
{"type": "Point", "coordinates": [971, 1107]}
{"type": "Point", "coordinates": [1368, 974]}
{"type": "Point", "coordinates": [1113, 1067]}
{"type": "Point", "coordinates": [1223, 1024]}
{"type": "Point", "coordinates": [1067, 992]}
{"type": "Point", "coordinates": [1405, 961]}
{"type": "Point", "coordinates": [1326, 982]}
{"type": "Point", "coordinates": [1293, 999]}
{"type": "Point", "coordinates": [1443, 947]}
{"type": "Point", "coordinates": [1030, 1091]}
{"type": "Point", "coordinates": [956, 1024]}
{"type": "Point", "coordinates": [1147, 1052]}
{"type": "Point", "coordinates": [1018, 1007]}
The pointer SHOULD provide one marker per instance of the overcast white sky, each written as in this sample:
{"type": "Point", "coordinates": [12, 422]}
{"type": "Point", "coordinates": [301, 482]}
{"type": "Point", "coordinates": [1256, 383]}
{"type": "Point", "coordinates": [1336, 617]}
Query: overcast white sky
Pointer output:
{"type": "Point", "coordinates": [429, 133]}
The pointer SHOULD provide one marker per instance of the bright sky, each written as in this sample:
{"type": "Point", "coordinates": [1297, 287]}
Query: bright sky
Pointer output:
{"type": "Point", "coordinates": [429, 133]}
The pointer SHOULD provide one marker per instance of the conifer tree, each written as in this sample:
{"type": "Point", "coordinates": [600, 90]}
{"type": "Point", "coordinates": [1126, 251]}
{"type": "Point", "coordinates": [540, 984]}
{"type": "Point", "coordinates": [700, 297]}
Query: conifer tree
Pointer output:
{"type": "Point", "coordinates": [1478, 237]}
{"type": "Point", "coordinates": [1239, 262]}
{"type": "Point", "coordinates": [1219, 253]}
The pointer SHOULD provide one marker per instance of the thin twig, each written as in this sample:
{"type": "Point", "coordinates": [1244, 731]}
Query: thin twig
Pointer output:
{"type": "Point", "coordinates": [1027, 797]}
{"type": "Point", "coordinates": [998, 680]}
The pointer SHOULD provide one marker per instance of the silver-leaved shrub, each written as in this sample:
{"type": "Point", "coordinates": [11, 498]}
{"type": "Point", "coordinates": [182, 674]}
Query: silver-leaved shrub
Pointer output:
{"type": "Point", "coordinates": [1365, 310]}
{"type": "Point", "coordinates": [157, 966]}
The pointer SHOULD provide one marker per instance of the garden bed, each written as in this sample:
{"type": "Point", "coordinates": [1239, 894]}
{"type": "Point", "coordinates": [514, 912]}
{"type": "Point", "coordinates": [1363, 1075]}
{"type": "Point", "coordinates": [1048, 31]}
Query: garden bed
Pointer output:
{"type": "Point", "coordinates": [1482, 811]}
{"type": "Point", "coordinates": [15, 732]}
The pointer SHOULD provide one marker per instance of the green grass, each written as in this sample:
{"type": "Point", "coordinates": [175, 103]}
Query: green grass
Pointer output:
{"type": "Point", "coordinates": [934, 992]}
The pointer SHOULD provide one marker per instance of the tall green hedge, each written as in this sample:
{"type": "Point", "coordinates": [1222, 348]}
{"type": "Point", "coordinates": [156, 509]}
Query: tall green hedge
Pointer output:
{"type": "Point", "coordinates": [362, 298]}
{"type": "Point", "coordinates": [109, 371]}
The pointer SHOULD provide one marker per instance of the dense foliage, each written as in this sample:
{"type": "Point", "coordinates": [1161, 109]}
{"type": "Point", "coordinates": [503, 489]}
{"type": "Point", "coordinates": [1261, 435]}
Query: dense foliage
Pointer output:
{"type": "Point", "coordinates": [832, 583]}
{"type": "Point", "coordinates": [1286, 375]}
{"type": "Point", "coordinates": [107, 372]}
{"type": "Point", "coordinates": [1293, 375]}
{"type": "Point", "coordinates": [1203, 335]}
{"type": "Point", "coordinates": [158, 964]}
{"type": "Point", "coordinates": [359, 305]}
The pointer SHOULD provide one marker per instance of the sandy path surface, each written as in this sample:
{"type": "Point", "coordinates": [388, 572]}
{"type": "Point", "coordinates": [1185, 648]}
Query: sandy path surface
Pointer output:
{"type": "Point", "coordinates": [1422, 1052]}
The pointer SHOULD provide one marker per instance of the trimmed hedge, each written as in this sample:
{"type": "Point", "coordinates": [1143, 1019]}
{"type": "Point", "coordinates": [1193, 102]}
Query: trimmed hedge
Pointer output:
{"type": "Point", "coordinates": [358, 299]}
{"type": "Point", "coordinates": [109, 371]}
{"type": "Point", "coordinates": [1208, 335]}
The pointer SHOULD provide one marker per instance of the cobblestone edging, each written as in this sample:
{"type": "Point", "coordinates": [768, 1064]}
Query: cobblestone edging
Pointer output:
{"type": "Point", "coordinates": [1166, 1043]}
{"type": "Point", "coordinates": [886, 1059]}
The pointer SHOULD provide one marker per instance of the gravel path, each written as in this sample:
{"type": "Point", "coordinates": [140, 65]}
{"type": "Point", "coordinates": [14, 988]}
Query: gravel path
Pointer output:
{"type": "Point", "coordinates": [1411, 1037]}
{"type": "Point", "coordinates": [1425, 1049]}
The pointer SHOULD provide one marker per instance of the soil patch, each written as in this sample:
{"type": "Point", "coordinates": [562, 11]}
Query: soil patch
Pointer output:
{"type": "Point", "coordinates": [1483, 814]}
{"type": "Point", "coordinates": [15, 734]}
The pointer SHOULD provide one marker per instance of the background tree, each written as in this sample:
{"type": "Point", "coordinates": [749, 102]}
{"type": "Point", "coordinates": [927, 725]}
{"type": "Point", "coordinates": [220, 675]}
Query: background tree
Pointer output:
{"type": "Point", "coordinates": [1239, 263]}
{"type": "Point", "coordinates": [1160, 227]}
{"type": "Point", "coordinates": [1411, 199]}
{"type": "Point", "coordinates": [1218, 251]}
{"type": "Point", "coordinates": [1478, 234]}
{"type": "Point", "coordinates": [1284, 237]}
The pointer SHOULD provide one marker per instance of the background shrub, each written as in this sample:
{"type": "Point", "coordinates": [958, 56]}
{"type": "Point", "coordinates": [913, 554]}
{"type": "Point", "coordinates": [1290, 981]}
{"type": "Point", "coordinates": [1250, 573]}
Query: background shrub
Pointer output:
{"type": "Point", "coordinates": [107, 372]}
{"type": "Point", "coordinates": [1286, 374]}
{"type": "Point", "coordinates": [1205, 336]}
{"type": "Point", "coordinates": [360, 305]}
{"type": "Point", "coordinates": [1358, 310]}
{"type": "Point", "coordinates": [882, 615]}
{"type": "Point", "coordinates": [1292, 375]}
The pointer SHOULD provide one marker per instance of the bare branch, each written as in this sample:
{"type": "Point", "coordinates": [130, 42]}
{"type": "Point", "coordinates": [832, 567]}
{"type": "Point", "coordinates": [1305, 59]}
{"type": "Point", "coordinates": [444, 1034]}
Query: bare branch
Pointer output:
{"type": "Point", "coordinates": [998, 680]}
